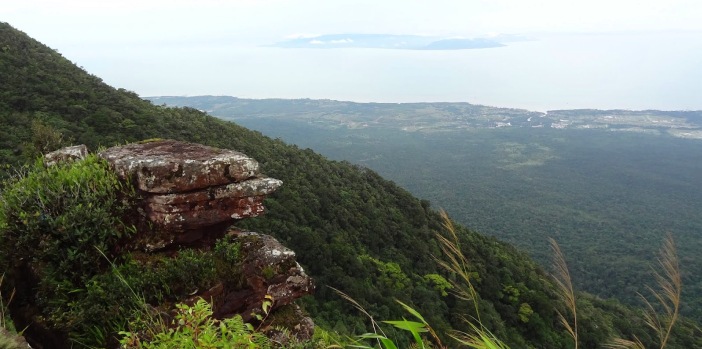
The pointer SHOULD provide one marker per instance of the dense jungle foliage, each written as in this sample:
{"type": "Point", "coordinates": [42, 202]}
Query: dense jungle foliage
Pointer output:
{"type": "Point", "coordinates": [607, 194]}
{"type": "Point", "coordinates": [350, 228]}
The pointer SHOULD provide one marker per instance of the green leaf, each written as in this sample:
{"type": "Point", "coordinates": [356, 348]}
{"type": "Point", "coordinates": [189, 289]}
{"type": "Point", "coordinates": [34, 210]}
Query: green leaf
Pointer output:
{"type": "Point", "coordinates": [413, 327]}
{"type": "Point", "coordinates": [413, 312]}
{"type": "Point", "coordinates": [266, 306]}
{"type": "Point", "coordinates": [386, 342]}
{"type": "Point", "coordinates": [406, 325]}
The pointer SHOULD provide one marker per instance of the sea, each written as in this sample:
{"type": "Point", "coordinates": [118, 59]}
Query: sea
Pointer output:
{"type": "Point", "coordinates": [642, 70]}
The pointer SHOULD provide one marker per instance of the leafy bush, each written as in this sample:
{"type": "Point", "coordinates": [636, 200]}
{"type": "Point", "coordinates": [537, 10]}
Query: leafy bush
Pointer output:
{"type": "Point", "coordinates": [57, 226]}
{"type": "Point", "coordinates": [227, 261]}
{"type": "Point", "coordinates": [62, 219]}
{"type": "Point", "coordinates": [45, 139]}
{"type": "Point", "coordinates": [194, 327]}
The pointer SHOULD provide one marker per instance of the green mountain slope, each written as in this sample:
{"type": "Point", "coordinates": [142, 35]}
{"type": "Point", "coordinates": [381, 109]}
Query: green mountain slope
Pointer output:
{"type": "Point", "coordinates": [608, 184]}
{"type": "Point", "coordinates": [350, 228]}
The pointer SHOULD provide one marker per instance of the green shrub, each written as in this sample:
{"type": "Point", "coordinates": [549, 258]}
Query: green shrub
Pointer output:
{"type": "Point", "coordinates": [194, 327]}
{"type": "Point", "coordinates": [63, 218]}
{"type": "Point", "coordinates": [227, 259]}
{"type": "Point", "coordinates": [44, 139]}
{"type": "Point", "coordinates": [112, 300]}
{"type": "Point", "coordinates": [59, 226]}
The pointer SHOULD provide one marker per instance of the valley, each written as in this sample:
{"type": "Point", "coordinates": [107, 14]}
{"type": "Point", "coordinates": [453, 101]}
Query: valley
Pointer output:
{"type": "Point", "coordinates": [608, 185]}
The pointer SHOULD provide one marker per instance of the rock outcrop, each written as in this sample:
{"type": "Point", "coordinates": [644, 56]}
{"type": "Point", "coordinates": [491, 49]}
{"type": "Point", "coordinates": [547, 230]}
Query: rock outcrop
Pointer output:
{"type": "Point", "coordinates": [189, 187]}
{"type": "Point", "coordinates": [168, 166]}
{"type": "Point", "coordinates": [269, 270]}
{"type": "Point", "coordinates": [76, 152]}
{"type": "Point", "coordinates": [189, 190]}
{"type": "Point", "coordinates": [188, 196]}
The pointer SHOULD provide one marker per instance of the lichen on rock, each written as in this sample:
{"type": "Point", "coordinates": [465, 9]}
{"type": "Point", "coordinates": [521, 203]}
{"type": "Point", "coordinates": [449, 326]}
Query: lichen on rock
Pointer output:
{"type": "Point", "coordinates": [73, 153]}
{"type": "Point", "coordinates": [168, 166]}
{"type": "Point", "coordinates": [189, 186]}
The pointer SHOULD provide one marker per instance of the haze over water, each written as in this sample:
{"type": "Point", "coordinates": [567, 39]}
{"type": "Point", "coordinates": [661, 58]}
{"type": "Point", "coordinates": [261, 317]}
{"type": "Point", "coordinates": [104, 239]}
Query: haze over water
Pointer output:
{"type": "Point", "coordinates": [628, 54]}
{"type": "Point", "coordinates": [604, 71]}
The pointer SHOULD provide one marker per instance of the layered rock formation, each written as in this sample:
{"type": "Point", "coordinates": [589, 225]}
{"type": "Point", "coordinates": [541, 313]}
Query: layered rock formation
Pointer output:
{"type": "Point", "coordinates": [192, 186]}
{"type": "Point", "coordinates": [189, 190]}
{"type": "Point", "coordinates": [188, 197]}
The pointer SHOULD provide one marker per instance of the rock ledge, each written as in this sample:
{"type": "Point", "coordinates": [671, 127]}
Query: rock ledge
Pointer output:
{"type": "Point", "coordinates": [190, 186]}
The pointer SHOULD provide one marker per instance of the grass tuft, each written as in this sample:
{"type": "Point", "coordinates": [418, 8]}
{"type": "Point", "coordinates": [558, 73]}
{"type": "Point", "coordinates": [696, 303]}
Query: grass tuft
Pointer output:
{"type": "Point", "coordinates": [5, 322]}
{"type": "Point", "coordinates": [455, 262]}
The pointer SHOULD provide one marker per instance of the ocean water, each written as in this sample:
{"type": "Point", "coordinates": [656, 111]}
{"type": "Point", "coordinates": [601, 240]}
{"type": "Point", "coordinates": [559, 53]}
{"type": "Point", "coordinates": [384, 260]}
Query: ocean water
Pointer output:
{"type": "Point", "coordinates": [567, 71]}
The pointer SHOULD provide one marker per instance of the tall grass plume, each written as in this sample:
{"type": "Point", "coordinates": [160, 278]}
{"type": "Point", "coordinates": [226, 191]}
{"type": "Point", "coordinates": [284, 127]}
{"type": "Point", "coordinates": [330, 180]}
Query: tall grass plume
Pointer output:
{"type": "Point", "coordinates": [662, 312]}
{"type": "Point", "coordinates": [566, 292]}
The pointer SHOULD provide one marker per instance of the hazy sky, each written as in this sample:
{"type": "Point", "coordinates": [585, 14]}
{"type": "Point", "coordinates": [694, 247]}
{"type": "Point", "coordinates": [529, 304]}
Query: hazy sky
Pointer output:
{"type": "Point", "coordinates": [144, 45]}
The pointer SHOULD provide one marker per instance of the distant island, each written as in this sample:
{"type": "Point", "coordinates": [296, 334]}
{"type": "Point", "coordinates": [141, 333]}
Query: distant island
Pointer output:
{"type": "Point", "coordinates": [387, 41]}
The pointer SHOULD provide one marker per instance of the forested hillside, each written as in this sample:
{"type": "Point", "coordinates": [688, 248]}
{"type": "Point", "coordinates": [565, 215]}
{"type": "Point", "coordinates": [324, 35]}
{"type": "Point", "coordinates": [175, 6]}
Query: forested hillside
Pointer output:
{"type": "Point", "coordinates": [351, 229]}
{"type": "Point", "coordinates": [608, 184]}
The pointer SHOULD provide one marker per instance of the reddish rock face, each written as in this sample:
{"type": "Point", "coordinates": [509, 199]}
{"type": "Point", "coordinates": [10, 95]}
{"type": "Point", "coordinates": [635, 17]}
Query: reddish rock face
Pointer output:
{"type": "Point", "coordinates": [251, 187]}
{"type": "Point", "coordinates": [169, 166]}
{"type": "Point", "coordinates": [203, 208]}
{"type": "Point", "coordinates": [206, 213]}
{"type": "Point", "coordinates": [270, 270]}
{"type": "Point", "coordinates": [191, 186]}
{"type": "Point", "coordinates": [269, 273]}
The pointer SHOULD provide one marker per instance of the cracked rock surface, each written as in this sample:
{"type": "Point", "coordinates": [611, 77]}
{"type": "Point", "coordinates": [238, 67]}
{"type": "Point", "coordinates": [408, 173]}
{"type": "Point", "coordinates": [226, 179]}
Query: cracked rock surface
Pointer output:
{"type": "Point", "coordinates": [168, 166]}
{"type": "Point", "coordinates": [190, 186]}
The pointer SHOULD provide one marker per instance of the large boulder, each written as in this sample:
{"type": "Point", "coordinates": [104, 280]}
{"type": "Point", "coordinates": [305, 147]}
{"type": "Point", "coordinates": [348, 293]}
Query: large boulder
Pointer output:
{"type": "Point", "coordinates": [189, 186]}
{"type": "Point", "coordinates": [168, 166]}
{"type": "Point", "coordinates": [269, 271]}
{"type": "Point", "coordinates": [189, 190]}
